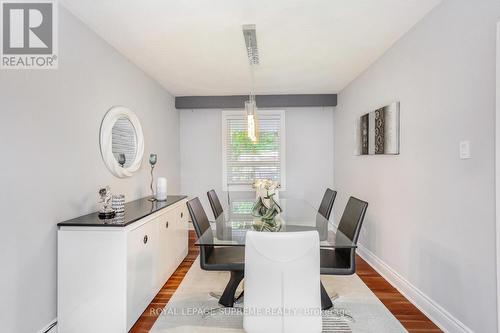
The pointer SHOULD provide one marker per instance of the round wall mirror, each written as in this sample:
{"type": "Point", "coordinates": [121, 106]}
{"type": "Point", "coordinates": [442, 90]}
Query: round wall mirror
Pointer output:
{"type": "Point", "coordinates": [122, 141]}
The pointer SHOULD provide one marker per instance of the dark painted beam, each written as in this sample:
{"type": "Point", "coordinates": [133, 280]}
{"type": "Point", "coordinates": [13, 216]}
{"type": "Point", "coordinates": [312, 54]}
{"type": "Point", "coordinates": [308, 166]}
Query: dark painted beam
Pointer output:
{"type": "Point", "coordinates": [263, 101]}
{"type": "Point", "coordinates": [211, 102]}
{"type": "Point", "coordinates": [283, 101]}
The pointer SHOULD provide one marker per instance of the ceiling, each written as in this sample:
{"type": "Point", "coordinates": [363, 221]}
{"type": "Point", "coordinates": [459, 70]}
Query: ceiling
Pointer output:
{"type": "Point", "coordinates": [196, 47]}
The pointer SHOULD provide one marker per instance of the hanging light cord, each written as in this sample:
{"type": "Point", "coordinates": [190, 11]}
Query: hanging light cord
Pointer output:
{"type": "Point", "coordinates": [252, 75]}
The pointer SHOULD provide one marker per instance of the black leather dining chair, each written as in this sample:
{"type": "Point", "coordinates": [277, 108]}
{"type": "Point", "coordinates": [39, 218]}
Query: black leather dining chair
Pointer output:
{"type": "Point", "coordinates": [215, 203]}
{"type": "Point", "coordinates": [326, 205]}
{"type": "Point", "coordinates": [343, 261]}
{"type": "Point", "coordinates": [225, 258]}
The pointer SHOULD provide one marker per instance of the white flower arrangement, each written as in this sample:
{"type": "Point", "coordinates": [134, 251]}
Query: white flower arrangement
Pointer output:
{"type": "Point", "coordinates": [265, 189]}
{"type": "Point", "coordinates": [266, 184]}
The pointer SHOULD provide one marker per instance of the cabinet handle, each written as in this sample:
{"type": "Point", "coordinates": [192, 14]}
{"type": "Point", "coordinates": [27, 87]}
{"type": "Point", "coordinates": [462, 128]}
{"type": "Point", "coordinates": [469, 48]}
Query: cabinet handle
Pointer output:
{"type": "Point", "coordinates": [166, 225]}
{"type": "Point", "coordinates": [182, 214]}
{"type": "Point", "coordinates": [145, 240]}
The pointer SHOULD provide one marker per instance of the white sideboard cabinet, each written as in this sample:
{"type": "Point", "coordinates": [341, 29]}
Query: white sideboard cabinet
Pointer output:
{"type": "Point", "coordinates": [110, 270]}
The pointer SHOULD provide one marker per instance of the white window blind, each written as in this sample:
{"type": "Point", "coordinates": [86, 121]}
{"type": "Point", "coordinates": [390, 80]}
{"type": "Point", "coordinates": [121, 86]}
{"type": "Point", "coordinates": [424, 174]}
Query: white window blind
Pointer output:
{"type": "Point", "coordinates": [245, 160]}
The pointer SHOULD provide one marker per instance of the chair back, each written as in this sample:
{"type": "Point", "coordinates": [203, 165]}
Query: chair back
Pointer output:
{"type": "Point", "coordinates": [350, 224]}
{"type": "Point", "coordinates": [201, 225]}
{"type": "Point", "coordinates": [282, 272]}
{"type": "Point", "coordinates": [352, 218]}
{"type": "Point", "coordinates": [326, 205]}
{"type": "Point", "coordinates": [215, 203]}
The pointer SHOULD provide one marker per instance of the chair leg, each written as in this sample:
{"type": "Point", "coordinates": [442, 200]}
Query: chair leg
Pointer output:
{"type": "Point", "coordinates": [227, 298]}
{"type": "Point", "coordinates": [214, 295]}
{"type": "Point", "coordinates": [326, 302]}
{"type": "Point", "coordinates": [239, 299]}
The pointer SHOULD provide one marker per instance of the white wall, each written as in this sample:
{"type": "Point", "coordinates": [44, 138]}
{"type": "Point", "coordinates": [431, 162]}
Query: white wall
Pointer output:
{"type": "Point", "coordinates": [309, 154]}
{"type": "Point", "coordinates": [51, 164]}
{"type": "Point", "coordinates": [432, 216]}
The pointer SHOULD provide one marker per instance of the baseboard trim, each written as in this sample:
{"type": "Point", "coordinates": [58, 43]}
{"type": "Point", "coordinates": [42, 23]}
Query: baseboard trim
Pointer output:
{"type": "Point", "coordinates": [431, 309]}
{"type": "Point", "coordinates": [50, 327]}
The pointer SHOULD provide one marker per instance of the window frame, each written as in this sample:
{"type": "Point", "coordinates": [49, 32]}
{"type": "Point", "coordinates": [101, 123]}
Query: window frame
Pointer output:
{"type": "Point", "coordinates": [238, 113]}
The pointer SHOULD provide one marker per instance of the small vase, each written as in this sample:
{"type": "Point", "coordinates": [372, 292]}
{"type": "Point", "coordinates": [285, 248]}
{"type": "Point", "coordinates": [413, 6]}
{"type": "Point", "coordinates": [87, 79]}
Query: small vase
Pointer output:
{"type": "Point", "coordinates": [267, 214]}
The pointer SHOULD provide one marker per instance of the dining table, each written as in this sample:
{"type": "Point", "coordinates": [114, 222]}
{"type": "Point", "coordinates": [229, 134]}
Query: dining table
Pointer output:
{"type": "Point", "coordinates": [230, 228]}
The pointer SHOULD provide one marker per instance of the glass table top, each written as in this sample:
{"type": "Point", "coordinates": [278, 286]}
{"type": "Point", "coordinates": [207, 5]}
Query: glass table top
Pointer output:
{"type": "Point", "coordinates": [230, 228]}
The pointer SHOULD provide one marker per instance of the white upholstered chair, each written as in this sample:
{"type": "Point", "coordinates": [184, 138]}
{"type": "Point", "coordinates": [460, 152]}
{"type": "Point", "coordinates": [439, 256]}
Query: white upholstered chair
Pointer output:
{"type": "Point", "coordinates": [282, 282]}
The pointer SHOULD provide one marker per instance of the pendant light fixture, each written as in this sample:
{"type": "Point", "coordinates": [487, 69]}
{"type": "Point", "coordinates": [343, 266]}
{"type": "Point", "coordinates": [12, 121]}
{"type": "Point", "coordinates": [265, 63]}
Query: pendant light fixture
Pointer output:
{"type": "Point", "coordinates": [253, 59]}
{"type": "Point", "coordinates": [251, 118]}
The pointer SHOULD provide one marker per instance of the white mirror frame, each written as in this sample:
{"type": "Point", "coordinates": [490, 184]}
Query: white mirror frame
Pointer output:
{"type": "Point", "coordinates": [106, 139]}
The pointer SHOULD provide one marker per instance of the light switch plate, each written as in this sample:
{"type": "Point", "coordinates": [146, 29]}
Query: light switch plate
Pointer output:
{"type": "Point", "coordinates": [465, 152]}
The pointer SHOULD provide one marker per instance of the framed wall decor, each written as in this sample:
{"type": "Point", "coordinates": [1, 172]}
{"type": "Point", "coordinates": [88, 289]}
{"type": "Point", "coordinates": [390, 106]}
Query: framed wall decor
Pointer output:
{"type": "Point", "coordinates": [378, 132]}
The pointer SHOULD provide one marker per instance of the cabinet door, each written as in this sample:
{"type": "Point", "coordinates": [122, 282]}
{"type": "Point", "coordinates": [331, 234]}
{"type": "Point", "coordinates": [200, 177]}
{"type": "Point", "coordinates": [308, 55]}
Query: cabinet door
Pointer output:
{"type": "Point", "coordinates": [184, 234]}
{"type": "Point", "coordinates": [184, 213]}
{"type": "Point", "coordinates": [166, 262]}
{"type": "Point", "coordinates": [142, 248]}
{"type": "Point", "coordinates": [180, 233]}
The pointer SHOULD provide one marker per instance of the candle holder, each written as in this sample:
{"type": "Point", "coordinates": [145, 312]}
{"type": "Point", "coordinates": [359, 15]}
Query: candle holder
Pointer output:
{"type": "Point", "coordinates": [161, 189]}
{"type": "Point", "coordinates": [118, 203]}
{"type": "Point", "coordinates": [153, 158]}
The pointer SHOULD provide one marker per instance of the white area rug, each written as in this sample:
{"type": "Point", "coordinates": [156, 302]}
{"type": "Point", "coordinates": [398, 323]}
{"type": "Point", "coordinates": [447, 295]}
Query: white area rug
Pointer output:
{"type": "Point", "coordinates": [356, 310]}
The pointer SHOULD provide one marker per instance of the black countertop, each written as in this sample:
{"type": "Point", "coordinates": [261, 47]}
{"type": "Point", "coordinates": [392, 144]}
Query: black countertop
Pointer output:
{"type": "Point", "coordinates": [134, 211]}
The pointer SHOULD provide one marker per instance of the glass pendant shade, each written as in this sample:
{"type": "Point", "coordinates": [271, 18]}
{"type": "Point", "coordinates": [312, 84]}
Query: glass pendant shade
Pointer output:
{"type": "Point", "coordinates": [251, 111]}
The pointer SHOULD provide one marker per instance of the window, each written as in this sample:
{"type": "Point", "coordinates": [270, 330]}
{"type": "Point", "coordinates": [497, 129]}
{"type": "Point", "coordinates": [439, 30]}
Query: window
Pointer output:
{"type": "Point", "coordinates": [243, 161]}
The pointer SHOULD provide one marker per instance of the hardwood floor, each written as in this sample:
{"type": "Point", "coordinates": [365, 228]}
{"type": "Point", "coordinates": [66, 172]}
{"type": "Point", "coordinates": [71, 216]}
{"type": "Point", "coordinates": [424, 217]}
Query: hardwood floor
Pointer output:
{"type": "Point", "coordinates": [409, 316]}
{"type": "Point", "coordinates": [148, 317]}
